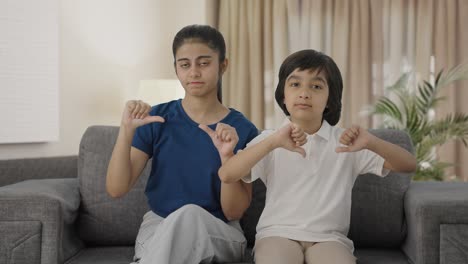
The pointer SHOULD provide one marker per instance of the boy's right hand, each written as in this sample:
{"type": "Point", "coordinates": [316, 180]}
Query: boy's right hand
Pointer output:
{"type": "Point", "coordinates": [292, 137]}
{"type": "Point", "coordinates": [136, 113]}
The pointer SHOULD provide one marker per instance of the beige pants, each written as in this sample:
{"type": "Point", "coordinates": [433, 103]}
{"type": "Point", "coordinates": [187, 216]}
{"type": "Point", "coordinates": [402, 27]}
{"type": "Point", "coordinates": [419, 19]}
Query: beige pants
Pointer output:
{"type": "Point", "coordinates": [278, 250]}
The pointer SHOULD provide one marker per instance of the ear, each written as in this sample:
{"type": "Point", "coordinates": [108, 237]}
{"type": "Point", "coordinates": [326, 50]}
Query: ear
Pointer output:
{"type": "Point", "coordinates": [223, 66]}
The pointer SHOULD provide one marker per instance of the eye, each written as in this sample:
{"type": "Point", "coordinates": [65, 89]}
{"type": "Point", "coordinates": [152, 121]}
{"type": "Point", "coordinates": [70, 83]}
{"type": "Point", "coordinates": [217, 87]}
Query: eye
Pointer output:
{"type": "Point", "coordinates": [316, 87]}
{"type": "Point", "coordinates": [294, 84]}
{"type": "Point", "coordinates": [184, 65]}
{"type": "Point", "coordinates": [205, 63]}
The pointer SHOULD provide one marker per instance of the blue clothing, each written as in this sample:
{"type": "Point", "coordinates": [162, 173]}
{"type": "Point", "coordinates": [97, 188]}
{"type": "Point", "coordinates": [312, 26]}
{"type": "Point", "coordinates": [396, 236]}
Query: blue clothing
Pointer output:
{"type": "Point", "coordinates": [185, 161]}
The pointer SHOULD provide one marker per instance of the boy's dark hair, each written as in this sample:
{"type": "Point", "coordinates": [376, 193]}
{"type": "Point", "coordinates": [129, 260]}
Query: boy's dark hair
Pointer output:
{"type": "Point", "coordinates": [314, 60]}
{"type": "Point", "coordinates": [202, 34]}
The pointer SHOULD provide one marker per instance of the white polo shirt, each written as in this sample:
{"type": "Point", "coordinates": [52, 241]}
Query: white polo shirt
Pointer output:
{"type": "Point", "coordinates": [309, 199]}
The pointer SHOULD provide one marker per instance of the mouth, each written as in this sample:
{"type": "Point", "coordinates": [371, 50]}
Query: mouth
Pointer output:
{"type": "Point", "coordinates": [303, 106]}
{"type": "Point", "coordinates": [196, 83]}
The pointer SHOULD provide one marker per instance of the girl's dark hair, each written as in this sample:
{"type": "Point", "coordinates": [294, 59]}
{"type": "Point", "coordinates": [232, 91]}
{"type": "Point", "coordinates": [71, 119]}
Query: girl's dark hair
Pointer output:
{"type": "Point", "coordinates": [206, 35]}
{"type": "Point", "coordinates": [313, 60]}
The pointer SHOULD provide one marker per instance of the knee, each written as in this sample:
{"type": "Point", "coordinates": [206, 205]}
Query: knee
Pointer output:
{"type": "Point", "coordinates": [278, 250]}
{"type": "Point", "coordinates": [189, 222]}
{"type": "Point", "coordinates": [330, 253]}
{"type": "Point", "coordinates": [268, 256]}
{"type": "Point", "coordinates": [191, 209]}
{"type": "Point", "coordinates": [190, 212]}
{"type": "Point", "coordinates": [262, 253]}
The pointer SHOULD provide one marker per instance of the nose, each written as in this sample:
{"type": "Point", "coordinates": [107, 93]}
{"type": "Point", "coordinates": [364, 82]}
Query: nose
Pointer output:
{"type": "Point", "coordinates": [194, 72]}
{"type": "Point", "coordinates": [304, 95]}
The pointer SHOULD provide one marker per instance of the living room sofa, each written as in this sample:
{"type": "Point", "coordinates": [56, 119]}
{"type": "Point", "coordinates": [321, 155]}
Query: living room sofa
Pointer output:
{"type": "Point", "coordinates": [56, 210]}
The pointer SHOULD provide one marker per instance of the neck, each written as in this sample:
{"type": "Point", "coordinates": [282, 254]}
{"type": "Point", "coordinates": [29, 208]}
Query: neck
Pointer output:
{"type": "Point", "coordinates": [204, 110]}
{"type": "Point", "coordinates": [309, 126]}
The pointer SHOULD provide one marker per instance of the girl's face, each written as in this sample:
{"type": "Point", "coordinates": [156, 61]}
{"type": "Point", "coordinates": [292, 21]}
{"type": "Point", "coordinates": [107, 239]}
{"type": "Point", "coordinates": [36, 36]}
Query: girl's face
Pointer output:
{"type": "Point", "coordinates": [306, 95]}
{"type": "Point", "coordinates": [198, 69]}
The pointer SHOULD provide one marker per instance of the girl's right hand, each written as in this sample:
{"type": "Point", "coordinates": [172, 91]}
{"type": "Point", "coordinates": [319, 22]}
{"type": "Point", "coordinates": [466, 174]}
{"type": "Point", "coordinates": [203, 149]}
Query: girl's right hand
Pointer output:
{"type": "Point", "coordinates": [292, 137]}
{"type": "Point", "coordinates": [136, 113]}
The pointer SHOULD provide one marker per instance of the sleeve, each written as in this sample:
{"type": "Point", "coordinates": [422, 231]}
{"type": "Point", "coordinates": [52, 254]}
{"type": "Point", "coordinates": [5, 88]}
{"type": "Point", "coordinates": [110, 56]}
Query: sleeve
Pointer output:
{"type": "Point", "coordinates": [370, 162]}
{"type": "Point", "coordinates": [246, 132]}
{"type": "Point", "coordinates": [253, 133]}
{"type": "Point", "coordinates": [144, 135]}
{"type": "Point", "coordinates": [263, 167]}
{"type": "Point", "coordinates": [142, 139]}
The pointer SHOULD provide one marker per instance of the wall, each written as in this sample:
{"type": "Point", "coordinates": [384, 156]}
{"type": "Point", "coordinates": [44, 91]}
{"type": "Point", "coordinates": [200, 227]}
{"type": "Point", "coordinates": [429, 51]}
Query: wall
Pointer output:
{"type": "Point", "coordinates": [106, 47]}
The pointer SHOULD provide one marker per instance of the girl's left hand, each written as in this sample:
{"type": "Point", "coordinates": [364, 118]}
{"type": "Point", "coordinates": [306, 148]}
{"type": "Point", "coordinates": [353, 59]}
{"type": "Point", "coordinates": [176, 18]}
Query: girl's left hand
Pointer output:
{"type": "Point", "coordinates": [224, 138]}
{"type": "Point", "coordinates": [354, 138]}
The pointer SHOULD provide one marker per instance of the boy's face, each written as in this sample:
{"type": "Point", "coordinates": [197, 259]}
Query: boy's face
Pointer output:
{"type": "Point", "coordinates": [306, 95]}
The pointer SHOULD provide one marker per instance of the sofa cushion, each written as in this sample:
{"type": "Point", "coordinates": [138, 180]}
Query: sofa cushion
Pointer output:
{"type": "Point", "coordinates": [377, 212]}
{"type": "Point", "coordinates": [251, 216]}
{"type": "Point", "coordinates": [380, 256]}
{"type": "Point", "coordinates": [104, 220]}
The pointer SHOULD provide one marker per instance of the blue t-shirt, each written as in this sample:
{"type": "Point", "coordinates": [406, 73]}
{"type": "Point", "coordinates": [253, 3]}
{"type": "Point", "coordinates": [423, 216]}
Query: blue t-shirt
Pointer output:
{"type": "Point", "coordinates": [185, 161]}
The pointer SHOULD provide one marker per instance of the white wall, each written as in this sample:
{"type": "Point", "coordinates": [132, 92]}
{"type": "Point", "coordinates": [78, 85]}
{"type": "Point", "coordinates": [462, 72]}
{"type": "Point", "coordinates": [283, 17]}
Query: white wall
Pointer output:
{"type": "Point", "coordinates": [106, 48]}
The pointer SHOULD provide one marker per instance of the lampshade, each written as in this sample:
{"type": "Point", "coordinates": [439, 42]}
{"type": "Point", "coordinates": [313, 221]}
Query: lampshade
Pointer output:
{"type": "Point", "coordinates": [159, 91]}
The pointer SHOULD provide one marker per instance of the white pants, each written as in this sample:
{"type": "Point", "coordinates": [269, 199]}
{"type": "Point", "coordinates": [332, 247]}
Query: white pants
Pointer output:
{"type": "Point", "coordinates": [188, 235]}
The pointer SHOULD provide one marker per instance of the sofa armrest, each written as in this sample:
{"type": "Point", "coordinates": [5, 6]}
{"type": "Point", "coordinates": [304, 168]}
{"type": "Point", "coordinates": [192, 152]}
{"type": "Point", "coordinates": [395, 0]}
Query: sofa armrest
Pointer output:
{"type": "Point", "coordinates": [17, 170]}
{"type": "Point", "coordinates": [47, 209]}
{"type": "Point", "coordinates": [437, 218]}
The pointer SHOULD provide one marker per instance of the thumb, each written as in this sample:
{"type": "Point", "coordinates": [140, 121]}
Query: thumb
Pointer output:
{"type": "Point", "coordinates": [300, 151]}
{"type": "Point", "coordinates": [152, 119]}
{"type": "Point", "coordinates": [342, 149]}
{"type": "Point", "coordinates": [207, 129]}
{"type": "Point", "coordinates": [294, 127]}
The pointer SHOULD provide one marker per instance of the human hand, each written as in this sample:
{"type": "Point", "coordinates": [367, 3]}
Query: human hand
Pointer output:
{"type": "Point", "coordinates": [224, 138]}
{"type": "Point", "coordinates": [292, 137]}
{"type": "Point", "coordinates": [136, 113]}
{"type": "Point", "coordinates": [354, 138]}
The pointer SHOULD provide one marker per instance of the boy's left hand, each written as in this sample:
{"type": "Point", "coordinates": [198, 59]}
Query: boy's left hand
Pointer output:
{"type": "Point", "coordinates": [354, 138]}
{"type": "Point", "coordinates": [224, 138]}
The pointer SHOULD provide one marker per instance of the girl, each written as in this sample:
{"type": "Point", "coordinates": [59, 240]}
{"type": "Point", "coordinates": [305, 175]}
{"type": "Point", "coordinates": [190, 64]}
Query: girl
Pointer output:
{"type": "Point", "coordinates": [308, 200]}
{"type": "Point", "coordinates": [193, 215]}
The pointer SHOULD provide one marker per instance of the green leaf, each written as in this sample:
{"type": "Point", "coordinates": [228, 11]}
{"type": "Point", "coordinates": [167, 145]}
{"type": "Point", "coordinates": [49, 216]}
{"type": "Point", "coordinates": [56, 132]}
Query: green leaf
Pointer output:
{"type": "Point", "coordinates": [408, 111]}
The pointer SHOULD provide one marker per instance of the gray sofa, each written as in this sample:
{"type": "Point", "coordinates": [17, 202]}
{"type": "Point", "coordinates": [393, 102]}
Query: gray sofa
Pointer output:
{"type": "Point", "coordinates": [56, 210]}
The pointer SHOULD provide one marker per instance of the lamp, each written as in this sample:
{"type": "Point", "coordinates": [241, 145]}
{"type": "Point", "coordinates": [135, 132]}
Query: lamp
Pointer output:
{"type": "Point", "coordinates": [159, 91]}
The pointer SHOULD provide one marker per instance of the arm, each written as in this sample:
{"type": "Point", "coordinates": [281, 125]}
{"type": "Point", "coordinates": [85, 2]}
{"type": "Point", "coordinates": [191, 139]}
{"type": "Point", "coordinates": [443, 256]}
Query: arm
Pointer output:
{"type": "Point", "coordinates": [289, 137]}
{"type": "Point", "coordinates": [234, 204]}
{"type": "Point", "coordinates": [235, 199]}
{"type": "Point", "coordinates": [240, 165]}
{"type": "Point", "coordinates": [127, 163]}
{"type": "Point", "coordinates": [235, 196]}
{"type": "Point", "coordinates": [396, 158]}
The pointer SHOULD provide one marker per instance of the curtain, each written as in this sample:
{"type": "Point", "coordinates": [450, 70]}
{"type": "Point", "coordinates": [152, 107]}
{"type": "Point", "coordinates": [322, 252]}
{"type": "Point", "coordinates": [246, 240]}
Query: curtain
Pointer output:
{"type": "Point", "coordinates": [372, 41]}
{"type": "Point", "coordinates": [450, 42]}
{"type": "Point", "coordinates": [341, 29]}
{"type": "Point", "coordinates": [256, 45]}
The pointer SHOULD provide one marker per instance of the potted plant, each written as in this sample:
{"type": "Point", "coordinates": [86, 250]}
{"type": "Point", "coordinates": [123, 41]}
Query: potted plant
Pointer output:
{"type": "Point", "coordinates": [412, 108]}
